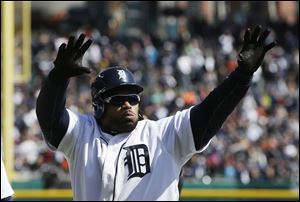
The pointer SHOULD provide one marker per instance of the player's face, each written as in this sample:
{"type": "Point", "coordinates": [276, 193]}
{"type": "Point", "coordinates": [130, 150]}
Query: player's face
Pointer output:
{"type": "Point", "coordinates": [121, 112]}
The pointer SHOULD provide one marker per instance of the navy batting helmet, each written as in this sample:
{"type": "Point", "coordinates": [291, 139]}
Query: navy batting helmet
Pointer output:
{"type": "Point", "coordinates": [108, 82]}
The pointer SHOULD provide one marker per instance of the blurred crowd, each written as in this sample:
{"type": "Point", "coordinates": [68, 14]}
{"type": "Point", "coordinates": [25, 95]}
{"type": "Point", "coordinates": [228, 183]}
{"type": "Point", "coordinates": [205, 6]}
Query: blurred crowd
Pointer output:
{"type": "Point", "coordinates": [257, 143]}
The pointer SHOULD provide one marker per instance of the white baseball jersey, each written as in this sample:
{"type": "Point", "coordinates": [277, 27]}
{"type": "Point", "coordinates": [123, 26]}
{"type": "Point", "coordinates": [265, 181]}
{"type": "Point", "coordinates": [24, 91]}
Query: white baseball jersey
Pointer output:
{"type": "Point", "coordinates": [6, 189]}
{"type": "Point", "coordinates": [141, 165]}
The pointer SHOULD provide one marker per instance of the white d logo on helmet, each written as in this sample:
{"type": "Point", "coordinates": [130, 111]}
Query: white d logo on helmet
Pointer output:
{"type": "Point", "coordinates": [121, 74]}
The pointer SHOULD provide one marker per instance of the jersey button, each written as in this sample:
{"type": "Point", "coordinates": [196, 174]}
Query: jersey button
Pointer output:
{"type": "Point", "coordinates": [109, 178]}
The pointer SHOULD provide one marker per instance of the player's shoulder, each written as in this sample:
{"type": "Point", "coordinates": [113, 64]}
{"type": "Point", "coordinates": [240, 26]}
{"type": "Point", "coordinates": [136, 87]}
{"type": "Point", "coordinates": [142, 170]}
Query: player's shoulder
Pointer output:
{"type": "Point", "coordinates": [145, 124]}
{"type": "Point", "coordinates": [86, 118]}
{"type": "Point", "coordinates": [179, 114]}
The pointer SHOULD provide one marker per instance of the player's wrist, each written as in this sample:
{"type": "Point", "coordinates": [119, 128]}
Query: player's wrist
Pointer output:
{"type": "Point", "coordinates": [241, 76]}
{"type": "Point", "coordinates": [57, 76]}
{"type": "Point", "coordinates": [244, 71]}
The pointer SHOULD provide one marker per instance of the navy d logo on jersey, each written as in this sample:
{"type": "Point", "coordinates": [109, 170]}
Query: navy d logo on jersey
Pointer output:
{"type": "Point", "coordinates": [137, 160]}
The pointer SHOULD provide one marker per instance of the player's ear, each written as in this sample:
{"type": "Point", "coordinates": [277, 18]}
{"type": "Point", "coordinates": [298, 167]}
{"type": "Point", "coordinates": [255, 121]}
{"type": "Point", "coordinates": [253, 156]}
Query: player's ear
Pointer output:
{"type": "Point", "coordinates": [141, 117]}
{"type": "Point", "coordinates": [98, 109]}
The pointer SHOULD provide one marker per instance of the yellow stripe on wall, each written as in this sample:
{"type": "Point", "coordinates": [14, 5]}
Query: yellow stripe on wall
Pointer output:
{"type": "Point", "coordinates": [48, 193]}
{"type": "Point", "coordinates": [186, 193]}
{"type": "Point", "coordinates": [240, 193]}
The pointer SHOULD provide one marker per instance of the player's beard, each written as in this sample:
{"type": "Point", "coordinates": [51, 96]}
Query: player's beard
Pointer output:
{"type": "Point", "coordinates": [127, 127]}
{"type": "Point", "coordinates": [119, 124]}
{"type": "Point", "coordinates": [127, 124]}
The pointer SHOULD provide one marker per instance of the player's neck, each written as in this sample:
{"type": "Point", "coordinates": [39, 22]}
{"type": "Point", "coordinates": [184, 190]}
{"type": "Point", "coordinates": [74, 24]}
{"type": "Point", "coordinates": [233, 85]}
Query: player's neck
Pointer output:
{"type": "Point", "coordinates": [107, 130]}
{"type": "Point", "coordinates": [111, 132]}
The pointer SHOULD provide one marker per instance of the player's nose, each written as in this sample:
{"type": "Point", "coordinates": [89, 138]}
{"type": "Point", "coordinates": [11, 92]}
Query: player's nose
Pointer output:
{"type": "Point", "coordinates": [126, 104]}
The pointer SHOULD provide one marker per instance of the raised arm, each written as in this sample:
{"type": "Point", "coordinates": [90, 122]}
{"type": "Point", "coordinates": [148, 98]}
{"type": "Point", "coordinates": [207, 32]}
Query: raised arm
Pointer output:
{"type": "Point", "coordinates": [50, 107]}
{"type": "Point", "coordinates": [208, 116]}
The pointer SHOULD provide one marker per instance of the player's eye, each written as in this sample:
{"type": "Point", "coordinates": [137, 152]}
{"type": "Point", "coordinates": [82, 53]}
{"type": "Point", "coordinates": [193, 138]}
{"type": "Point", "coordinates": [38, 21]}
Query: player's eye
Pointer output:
{"type": "Point", "coordinates": [118, 100]}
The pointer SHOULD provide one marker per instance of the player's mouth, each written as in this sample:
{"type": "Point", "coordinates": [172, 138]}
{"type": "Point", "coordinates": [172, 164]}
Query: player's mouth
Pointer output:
{"type": "Point", "coordinates": [128, 114]}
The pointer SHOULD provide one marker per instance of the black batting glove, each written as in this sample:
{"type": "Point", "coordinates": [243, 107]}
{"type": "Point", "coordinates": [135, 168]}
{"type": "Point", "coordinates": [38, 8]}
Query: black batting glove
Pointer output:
{"type": "Point", "coordinates": [68, 62]}
{"type": "Point", "coordinates": [254, 50]}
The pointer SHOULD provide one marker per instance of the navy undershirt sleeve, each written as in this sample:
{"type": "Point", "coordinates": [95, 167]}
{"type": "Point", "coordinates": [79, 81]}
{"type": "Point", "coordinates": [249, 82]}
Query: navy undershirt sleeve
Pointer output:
{"type": "Point", "coordinates": [208, 116]}
{"type": "Point", "coordinates": [51, 112]}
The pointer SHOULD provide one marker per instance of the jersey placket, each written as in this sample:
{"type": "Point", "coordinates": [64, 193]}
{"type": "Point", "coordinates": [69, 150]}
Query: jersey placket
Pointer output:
{"type": "Point", "coordinates": [109, 169]}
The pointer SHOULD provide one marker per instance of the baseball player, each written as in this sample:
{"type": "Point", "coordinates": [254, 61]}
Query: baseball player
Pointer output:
{"type": "Point", "coordinates": [6, 188]}
{"type": "Point", "coordinates": [115, 154]}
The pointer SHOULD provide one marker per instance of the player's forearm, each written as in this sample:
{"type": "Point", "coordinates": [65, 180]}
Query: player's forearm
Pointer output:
{"type": "Point", "coordinates": [208, 116]}
{"type": "Point", "coordinates": [51, 112]}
